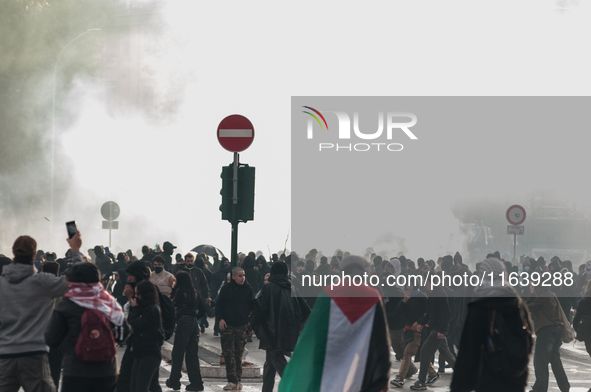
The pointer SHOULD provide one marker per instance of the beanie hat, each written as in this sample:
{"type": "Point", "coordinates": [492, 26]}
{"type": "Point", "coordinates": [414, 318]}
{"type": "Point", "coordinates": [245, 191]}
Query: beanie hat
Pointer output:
{"type": "Point", "coordinates": [83, 272]}
{"type": "Point", "coordinates": [279, 268]}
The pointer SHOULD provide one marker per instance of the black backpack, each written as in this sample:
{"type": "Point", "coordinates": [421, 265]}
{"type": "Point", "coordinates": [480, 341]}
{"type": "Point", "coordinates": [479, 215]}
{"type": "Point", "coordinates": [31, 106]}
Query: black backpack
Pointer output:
{"type": "Point", "coordinates": [167, 310]}
{"type": "Point", "coordinates": [509, 344]}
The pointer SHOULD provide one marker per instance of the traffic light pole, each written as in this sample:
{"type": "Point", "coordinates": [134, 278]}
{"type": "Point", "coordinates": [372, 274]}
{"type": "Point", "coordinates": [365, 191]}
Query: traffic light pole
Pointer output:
{"type": "Point", "coordinates": [234, 258]}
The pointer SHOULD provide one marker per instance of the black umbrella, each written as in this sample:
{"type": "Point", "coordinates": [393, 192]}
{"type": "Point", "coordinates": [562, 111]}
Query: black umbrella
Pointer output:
{"type": "Point", "coordinates": [208, 250]}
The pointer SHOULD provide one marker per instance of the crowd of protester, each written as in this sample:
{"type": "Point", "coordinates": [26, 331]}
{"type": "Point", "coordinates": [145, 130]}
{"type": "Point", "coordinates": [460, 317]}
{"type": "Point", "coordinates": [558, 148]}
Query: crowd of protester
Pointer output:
{"type": "Point", "coordinates": [61, 318]}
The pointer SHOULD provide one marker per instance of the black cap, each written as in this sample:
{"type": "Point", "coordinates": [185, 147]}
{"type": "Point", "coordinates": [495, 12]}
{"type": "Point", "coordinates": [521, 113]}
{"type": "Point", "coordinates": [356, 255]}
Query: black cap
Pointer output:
{"type": "Point", "coordinates": [168, 246]}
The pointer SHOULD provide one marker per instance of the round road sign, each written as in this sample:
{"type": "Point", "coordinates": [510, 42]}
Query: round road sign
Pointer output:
{"type": "Point", "coordinates": [516, 215]}
{"type": "Point", "coordinates": [235, 133]}
{"type": "Point", "coordinates": [110, 211]}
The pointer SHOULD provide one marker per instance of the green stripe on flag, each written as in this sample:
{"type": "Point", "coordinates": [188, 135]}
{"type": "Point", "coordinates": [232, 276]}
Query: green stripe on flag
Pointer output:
{"type": "Point", "coordinates": [304, 370]}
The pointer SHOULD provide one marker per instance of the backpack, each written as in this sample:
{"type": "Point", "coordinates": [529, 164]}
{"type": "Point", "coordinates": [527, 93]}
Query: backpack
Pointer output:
{"type": "Point", "coordinates": [96, 342]}
{"type": "Point", "coordinates": [508, 345]}
{"type": "Point", "coordinates": [583, 328]}
{"type": "Point", "coordinates": [167, 311]}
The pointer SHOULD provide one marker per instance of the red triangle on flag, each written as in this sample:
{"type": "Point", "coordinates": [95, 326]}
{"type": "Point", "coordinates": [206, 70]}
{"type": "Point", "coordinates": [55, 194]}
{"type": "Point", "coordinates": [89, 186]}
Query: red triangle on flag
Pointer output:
{"type": "Point", "coordinates": [356, 303]}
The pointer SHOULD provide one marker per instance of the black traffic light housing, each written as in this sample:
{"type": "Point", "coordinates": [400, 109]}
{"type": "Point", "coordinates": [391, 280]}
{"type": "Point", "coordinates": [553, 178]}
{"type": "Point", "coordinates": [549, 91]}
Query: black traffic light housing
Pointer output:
{"type": "Point", "coordinates": [245, 206]}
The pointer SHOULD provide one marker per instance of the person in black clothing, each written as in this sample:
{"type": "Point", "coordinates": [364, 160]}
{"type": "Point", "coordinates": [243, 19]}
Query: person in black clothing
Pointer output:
{"type": "Point", "coordinates": [219, 277]}
{"type": "Point", "coordinates": [584, 310]}
{"type": "Point", "coordinates": [167, 251]}
{"type": "Point", "coordinates": [199, 279]}
{"type": "Point", "coordinates": [277, 305]}
{"type": "Point", "coordinates": [137, 272]}
{"type": "Point", "coordinates": [148, 336]}
{"type": "Point", "coordinates": [233, 309]}
{"type": "Point", "coordinates": [180, 263]}
{"type": "Point", "coordinates": [252, 276]}
{"type": "Point", "coordinates": [437, 317]}
{"type": "Point", "coordinates": [324, 269]}
{"type": "Point", "coordinates": [103, 263]}
{"type": "Point", "coordinates": [410, 310]}
{"type": "Point", "coordinates": [121, 282]}
{"type": "Point", "coordinates": [264, 268]}
{"type": "Point", "coordinates": [473, 372]}
{"type": "Point", "coordinates": [121, 262]}
{"type": "Point", "coordinates": [189, 306]}
{"type": "Point", "coordinates": [85, 292]}
{"type": "Point", "coordinates": [148, 256]}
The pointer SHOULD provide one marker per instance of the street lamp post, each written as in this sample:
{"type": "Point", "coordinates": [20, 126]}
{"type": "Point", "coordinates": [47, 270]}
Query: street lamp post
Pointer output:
{"type": "Point", "coordinates": [53, 124]}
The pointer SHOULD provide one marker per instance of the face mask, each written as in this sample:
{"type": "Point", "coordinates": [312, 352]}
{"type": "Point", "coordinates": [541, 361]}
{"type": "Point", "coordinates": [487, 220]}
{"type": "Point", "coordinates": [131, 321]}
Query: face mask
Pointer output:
{"type": "Point", "coordinates": [158, 269]}
{"type": "Point", "coordinates": [309, 268]}
{"type": "Point", "coordinates": [526, 269]}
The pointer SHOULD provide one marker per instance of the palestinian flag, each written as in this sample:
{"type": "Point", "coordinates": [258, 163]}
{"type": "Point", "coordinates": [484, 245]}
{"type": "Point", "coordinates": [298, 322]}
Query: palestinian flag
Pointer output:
{"type": "Point", "coordinates": [344, 346]}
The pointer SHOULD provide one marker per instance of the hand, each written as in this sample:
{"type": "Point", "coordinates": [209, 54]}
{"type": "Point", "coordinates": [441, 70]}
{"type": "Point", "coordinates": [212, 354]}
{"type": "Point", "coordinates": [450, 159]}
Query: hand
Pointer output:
{"type": "Point", "coordinates": [128, 291]}
{"type": "Point", "coordinates": [208, 300]}
{"type": "Point", "coordinates": [414, 326]}
{"type": "Point", "coordinates": [406, 297]}
{"type": "Point", "coordinates": [440, 335]}
{"type": "Point", "coordinates": [419, 328]}
{"type": "Point", "coordinates": [75, 242]}
{"type": "Point", "coordinates": [133, 302]}
{"type": "Point", "coordinates": [531, 288]}
{"type": "Point", "coordinates": [223, 325]}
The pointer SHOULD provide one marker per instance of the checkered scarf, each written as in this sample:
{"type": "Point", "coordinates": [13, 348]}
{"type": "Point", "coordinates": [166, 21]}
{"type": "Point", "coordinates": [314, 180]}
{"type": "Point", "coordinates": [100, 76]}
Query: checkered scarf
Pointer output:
{"type": "Point", "coordinates": [94, 296]}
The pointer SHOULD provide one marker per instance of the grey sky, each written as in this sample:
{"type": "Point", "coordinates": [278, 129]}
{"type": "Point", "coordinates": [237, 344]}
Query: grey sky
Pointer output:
{"type": "Point", "coordinates": [251, 58]}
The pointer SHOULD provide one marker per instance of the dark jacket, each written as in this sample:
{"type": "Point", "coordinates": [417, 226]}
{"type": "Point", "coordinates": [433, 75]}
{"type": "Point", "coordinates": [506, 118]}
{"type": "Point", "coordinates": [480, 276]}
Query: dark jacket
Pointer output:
{"type": "Point", "coordinates": [583, 309]}
{"type": "Point", "coordinates": [217, 280]}
{"type": "Point", "coordinates": [148, 335]}
{"type": "Point", "coordinates": [199, 280]}
{"type": "Point", "coordinates": [252, 276]}
{"type": "Point", "coordinates": [185, 306]}
{"type": "Point", "coordinates": [234, 304]}
{"type": "Point", "coordinates": [118, 289]}
{"type": "Point", "coordinates": [438, 311]}
{"type": "Point", "coordinates": [266, 269]}
{"type": "Point", "coordinates": [199, 263]}
{"type": "Point", "coordinates": [413, 310]}
{"type": "Point", "coordinates": [280, 313]}
{"type": "Point", "coordinates": [470, 372]}
{"type": "Point", "coordinates": [104, 264]}
{"type": "Point", "coordinates": [65, 324]}
{"type": "Point", "coordinates": [392, 298]}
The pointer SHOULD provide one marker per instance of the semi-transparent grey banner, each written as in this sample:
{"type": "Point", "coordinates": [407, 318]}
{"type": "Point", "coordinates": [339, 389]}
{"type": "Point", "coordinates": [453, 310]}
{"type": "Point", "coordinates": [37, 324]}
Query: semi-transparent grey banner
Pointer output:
{"type": "Point", "coordinates": [410, 183]}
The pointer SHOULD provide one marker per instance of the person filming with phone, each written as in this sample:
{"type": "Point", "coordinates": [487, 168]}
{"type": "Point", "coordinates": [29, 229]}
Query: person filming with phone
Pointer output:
{"type": "Point", "coordinates": [25, 311]}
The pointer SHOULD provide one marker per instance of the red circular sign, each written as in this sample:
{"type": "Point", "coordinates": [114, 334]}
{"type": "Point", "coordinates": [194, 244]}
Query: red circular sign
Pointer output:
{"type": "Point", "coordinates": [516, 215]}
{"type": "Point", "coordinates": [235, 133]}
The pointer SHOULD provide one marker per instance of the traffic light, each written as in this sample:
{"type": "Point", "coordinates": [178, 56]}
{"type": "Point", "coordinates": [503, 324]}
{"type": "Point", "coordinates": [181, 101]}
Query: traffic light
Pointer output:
{"type": "Point", "coordinates": [245, 193]}
{"type": "Point", "coordinates": [245, 205]}
{"type": "Point", "coordinates": [226, 192]}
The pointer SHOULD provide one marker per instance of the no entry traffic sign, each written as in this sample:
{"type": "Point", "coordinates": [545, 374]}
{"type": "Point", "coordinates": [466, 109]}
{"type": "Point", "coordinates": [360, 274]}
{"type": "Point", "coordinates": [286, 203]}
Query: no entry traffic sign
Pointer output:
{"type": "Point", "coordinates": [235, 133]}
{"type": "Point", "coordinates": [516, 215]}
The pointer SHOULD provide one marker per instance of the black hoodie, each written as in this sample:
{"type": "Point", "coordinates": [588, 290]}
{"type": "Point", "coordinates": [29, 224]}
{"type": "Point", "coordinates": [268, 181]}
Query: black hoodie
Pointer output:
{"type": "Point", "coordinates": [280, 313]}
{"type": "Point", "coordinates": [470, 372]}
{"type": "Point", "coordinates": [438, 311]}
{"type": "Point", "coordinates": [252, 276]}
{"type": "Point", "coordinates": [234, 303]}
